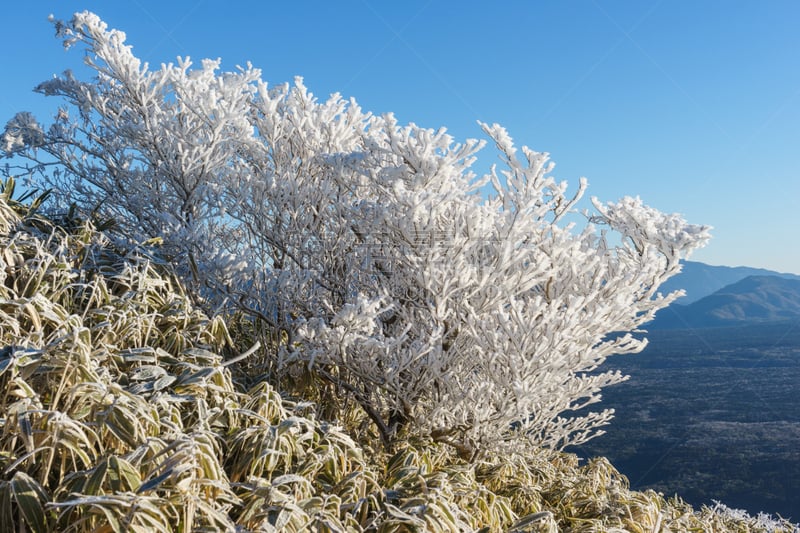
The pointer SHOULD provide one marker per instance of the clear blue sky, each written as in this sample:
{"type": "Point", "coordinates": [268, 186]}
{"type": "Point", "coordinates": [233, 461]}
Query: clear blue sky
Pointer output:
{"type": "Point", "coordinates": [692, 105]}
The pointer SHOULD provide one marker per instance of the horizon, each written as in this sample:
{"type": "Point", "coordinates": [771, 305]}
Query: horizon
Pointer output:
{"type": "Point", "coordinates": [694, 108]}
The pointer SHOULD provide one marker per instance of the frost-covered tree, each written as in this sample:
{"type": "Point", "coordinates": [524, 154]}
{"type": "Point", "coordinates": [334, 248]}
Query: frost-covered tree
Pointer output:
{"type": "Point", "coordinates": [459, 307]}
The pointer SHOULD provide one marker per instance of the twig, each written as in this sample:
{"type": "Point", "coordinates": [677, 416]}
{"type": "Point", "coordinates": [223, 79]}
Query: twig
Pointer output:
{"type": "Point", "coordinates": [246, 354]}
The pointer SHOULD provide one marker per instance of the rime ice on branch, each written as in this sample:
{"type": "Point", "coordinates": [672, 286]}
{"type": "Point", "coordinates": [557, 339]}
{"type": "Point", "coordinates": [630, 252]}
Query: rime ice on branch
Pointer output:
{"type": "Point", "coordinates": [472, 318]}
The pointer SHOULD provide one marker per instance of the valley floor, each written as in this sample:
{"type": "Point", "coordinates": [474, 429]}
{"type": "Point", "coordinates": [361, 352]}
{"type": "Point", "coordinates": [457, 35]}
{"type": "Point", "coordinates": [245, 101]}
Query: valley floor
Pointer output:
{"type": "Point", "coordinates": [711, 414]}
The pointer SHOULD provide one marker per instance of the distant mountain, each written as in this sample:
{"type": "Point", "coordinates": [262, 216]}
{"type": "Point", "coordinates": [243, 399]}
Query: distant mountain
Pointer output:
{"type": "Point", "coordinates": [752, 299]}
{"type": "Point", "coordinates": [700, 280]}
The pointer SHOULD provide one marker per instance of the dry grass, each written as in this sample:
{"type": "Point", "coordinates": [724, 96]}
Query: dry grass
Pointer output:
{"type": "Point", "coordinates": [119, 413]}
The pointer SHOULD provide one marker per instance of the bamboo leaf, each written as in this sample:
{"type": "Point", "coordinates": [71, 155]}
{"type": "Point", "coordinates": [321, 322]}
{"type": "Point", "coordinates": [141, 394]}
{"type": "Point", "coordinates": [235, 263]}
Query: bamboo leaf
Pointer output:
{"type": "Point", "coordinates": [147, 372]}
{"type": "Point", "coordinates": [122, 475]}
{"type": "Point", "coordinates": [30, 497]}
{"type": "Point", "coordinates": [95, 481]}
{"type": "Point", "coordinates": [154, 482]}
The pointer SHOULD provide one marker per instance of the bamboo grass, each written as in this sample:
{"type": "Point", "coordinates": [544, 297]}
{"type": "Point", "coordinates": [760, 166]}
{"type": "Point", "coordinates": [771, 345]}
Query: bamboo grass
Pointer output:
{"type": "Point", "coordinates": [120, 413]}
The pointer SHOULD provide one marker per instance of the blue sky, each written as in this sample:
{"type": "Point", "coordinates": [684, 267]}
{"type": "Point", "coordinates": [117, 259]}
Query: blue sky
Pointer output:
{"type": "Point", "coordinates": [692, 105]}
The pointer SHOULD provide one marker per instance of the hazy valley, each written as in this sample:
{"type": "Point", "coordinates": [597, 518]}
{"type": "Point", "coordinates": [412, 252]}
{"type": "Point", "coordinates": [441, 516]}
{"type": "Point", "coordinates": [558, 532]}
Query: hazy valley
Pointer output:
{"type": "Point", "coordinates": [712, 410]}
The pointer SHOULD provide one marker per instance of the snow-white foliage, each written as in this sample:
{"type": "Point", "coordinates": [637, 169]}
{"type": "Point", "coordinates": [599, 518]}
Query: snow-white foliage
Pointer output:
{"type": "Point", "coordinates": [761, 521]}
{"type": "Point", "coordinates": [469, 316]}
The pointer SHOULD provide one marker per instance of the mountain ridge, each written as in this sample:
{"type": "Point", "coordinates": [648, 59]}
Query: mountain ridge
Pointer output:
{"type": "Point", "coordinates": [755, 298]}
{"type": "Point", "coordinates": [700, 279]}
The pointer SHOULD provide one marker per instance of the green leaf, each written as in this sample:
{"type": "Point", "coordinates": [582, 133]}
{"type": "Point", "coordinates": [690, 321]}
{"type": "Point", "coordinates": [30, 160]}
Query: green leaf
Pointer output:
{"type": "Point", "coordinates": [122, 475]}
{"type": "Point", "coordinates": [4, 364]}
{"type": "Point", "coordinates": [153, 483]}
{"type": "Point", "coordinates": [29, 496]}
{"type": "Point", "coordinates": [95, 481]}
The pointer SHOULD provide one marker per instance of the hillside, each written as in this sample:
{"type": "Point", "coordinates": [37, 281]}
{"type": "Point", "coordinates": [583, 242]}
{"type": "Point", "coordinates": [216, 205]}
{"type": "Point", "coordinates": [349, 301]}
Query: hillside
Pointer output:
{"type": "Point", "coordinates": [125, 408]}
{"type": "Point", "coordinates": [752, 299]}
{"type": "Point", "coordinates": [700, 280]}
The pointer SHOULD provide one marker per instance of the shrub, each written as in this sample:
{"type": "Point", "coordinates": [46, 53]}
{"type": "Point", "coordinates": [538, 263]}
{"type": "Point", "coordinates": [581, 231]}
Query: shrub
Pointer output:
{"type": "Point", "coordinates": [461, 308]}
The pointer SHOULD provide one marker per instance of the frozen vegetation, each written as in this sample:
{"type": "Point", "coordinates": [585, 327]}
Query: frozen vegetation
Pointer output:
{"type": "Point", "coordinates": [245, 308]}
